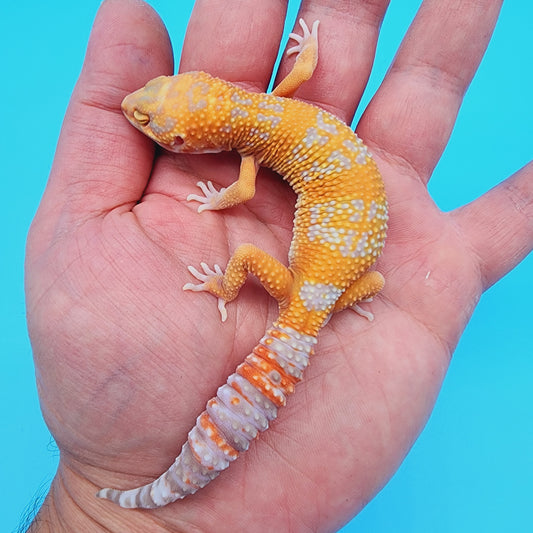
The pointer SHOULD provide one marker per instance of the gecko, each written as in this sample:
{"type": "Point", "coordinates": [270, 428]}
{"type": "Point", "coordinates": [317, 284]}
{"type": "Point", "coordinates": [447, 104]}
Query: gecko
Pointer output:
{"type": "Point", "coordinates": [339, 231]}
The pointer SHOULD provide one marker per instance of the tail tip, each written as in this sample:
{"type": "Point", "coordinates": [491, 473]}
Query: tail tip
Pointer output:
{"type": "Point", "coordinates": [116, 496]}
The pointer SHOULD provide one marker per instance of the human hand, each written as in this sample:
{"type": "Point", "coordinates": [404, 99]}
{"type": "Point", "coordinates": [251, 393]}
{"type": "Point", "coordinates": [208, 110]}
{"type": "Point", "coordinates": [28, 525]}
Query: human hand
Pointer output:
{"type": "Point", "coordinates": [126, 361]}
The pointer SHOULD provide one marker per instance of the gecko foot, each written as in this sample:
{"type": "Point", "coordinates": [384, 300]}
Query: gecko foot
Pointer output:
{"type": "Point", "coordinates": [363, 312]}
{"type": "Point", "coordinates": [304, 39]}
{"type": "Point", "coordinates": [211, 198]}
{"type": "Point", "coordinates": [207, 278]}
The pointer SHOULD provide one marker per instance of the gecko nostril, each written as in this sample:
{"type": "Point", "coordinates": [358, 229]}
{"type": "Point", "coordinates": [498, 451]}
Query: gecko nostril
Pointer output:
{"type": "Point", "coordinates": [142, 118]}
{"type": "Point", "coordinates": [178, 141]}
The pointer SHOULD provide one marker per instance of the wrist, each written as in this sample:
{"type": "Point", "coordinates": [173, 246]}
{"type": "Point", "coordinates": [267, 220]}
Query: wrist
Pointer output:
{"type": "Point", "coordinates": [62, 511]}
{"type": "Point", "coordinates": [71, 505]}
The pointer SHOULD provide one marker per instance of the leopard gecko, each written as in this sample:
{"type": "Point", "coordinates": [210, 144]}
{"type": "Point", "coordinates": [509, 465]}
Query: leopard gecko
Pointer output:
{"type": "Point", "coordinates": [339, 231]}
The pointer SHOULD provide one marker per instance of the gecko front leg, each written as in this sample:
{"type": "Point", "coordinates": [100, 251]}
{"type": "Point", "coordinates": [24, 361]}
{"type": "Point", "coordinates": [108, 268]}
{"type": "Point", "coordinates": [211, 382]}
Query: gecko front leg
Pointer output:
{"type": "Point", "coordinates": [237, 193]}
{"type": "Point", "coordinates": [306, 60]}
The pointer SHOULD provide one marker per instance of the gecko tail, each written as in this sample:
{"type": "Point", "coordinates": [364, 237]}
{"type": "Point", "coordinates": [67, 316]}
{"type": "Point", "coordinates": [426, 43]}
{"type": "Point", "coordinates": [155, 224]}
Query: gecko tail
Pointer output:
{"type": "Point", "coordinates": [243, 407]}
{"type": "Point", "coordinates": [184, 477]}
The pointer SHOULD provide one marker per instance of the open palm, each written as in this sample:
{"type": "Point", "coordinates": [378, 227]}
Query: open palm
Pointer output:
{"type": "Point", "coordinates": [126, 360]}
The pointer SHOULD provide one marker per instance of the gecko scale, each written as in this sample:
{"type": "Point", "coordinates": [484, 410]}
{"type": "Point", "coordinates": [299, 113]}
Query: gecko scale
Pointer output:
{"type": "Point", "coordinates": [339, 232]}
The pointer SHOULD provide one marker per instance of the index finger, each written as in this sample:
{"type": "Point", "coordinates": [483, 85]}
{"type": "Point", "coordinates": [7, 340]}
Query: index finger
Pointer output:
{"type": "Point", "coordinates": [237, 45]}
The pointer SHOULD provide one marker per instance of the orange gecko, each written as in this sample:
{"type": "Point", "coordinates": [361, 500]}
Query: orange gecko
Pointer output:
{"type": "Point", "coordinates": [339, 232]}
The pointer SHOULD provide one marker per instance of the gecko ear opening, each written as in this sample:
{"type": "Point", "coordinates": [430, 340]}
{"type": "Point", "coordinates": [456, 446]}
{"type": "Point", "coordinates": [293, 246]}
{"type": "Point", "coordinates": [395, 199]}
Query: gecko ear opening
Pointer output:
{"type": "Point", "coordinates": [178, 141]}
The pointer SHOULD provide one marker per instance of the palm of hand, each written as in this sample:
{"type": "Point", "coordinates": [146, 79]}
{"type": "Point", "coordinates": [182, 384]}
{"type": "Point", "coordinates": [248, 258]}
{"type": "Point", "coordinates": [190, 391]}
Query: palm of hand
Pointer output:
{"type": "Point", "coordinates": [139, 357]}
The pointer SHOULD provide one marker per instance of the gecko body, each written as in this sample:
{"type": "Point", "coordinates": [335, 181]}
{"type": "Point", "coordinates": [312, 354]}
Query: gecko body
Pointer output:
{"type": "Point", "coordinates": [339, 232]}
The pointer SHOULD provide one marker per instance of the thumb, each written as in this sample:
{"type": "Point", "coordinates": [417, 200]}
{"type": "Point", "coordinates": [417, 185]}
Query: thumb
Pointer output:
{"type": "Point", "coordinates": [101, 162]}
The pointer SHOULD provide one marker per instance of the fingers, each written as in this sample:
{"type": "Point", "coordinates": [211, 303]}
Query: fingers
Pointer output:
{"type": "Point", "coordinates": [248, 36]}
{"type": "Point", "coordinates": [412, 115]}
{"type": "Point", "coordinates": [499, 225]}
{"type": "Point", "coordinates": [238, 44]}
{"type": "Point", "coordinates": [101, 161]}
{"type": "Point", "coordinates": [347, 39]}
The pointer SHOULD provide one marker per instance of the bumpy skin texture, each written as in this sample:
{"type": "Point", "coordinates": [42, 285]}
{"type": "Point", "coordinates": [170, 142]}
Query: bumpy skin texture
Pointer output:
{"type": "Point", "coordinates": [339, 231]}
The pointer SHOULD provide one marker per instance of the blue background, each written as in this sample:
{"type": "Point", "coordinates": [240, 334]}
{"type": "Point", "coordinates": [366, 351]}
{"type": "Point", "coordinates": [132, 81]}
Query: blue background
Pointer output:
{"type": "Point", "coordinates": [472, 468]}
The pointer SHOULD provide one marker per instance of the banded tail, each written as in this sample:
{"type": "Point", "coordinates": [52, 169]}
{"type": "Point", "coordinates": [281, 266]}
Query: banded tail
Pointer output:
{"type": "Point", "coordinates": [242, 408]}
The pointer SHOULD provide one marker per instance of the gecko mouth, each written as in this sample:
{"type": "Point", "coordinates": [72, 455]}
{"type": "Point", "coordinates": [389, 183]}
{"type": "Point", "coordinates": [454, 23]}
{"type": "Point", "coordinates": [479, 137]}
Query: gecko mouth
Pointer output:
{"type": "Point", "coordinates": [174, 145]}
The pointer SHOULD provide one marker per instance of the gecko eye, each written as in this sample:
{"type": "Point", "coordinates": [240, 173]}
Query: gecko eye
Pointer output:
{"type": "Point", "coordinates": [141, 118]}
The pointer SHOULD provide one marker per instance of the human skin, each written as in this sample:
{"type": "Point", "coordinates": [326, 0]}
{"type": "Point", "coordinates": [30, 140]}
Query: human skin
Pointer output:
{"type": "Point", "coordinates": [126, 360]}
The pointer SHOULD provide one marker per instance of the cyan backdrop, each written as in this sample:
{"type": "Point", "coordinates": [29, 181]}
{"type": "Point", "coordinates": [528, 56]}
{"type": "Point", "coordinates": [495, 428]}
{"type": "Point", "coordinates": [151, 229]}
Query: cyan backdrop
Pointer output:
{"type": "Point", "coordinates": [471, 469]}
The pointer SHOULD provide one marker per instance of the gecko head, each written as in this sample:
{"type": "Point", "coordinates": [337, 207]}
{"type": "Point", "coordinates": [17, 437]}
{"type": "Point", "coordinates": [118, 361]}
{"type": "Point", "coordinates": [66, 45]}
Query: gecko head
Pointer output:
{"type": "Point", "coordinates": [174, 111]}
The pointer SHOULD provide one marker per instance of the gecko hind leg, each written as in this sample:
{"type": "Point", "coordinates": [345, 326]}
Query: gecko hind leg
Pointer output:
{"type": "Point", "coordinates": [306, 60]}
{"type": "Point", "coordinates": [275, 277]}
{"type": "Point", "coordinates": [362, 290]}
{"type": "Point", "coordinates": [208, 277]}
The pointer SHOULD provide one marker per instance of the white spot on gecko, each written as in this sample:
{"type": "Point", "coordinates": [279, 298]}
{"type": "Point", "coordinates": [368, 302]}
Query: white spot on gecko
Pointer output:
{"type": "Point", "coordinates": [312, 136]}
{"type": "Point", "coordinates": [358, 206]}
{"type": "Point", "coordinates": [326, 126]}
{"type": "Point", "coordinates": [372, 210]}
{"type": "Point", "coordinates": [238, 112]}
{"type": "Point", "coordinates": [275, 120]}
{"type": "Point", "coordinates": [237, 99]}
{"type": "Point", "coordinates": [361, 247]}
{"type": "Point", "coordinates": [359, 148]}
{"type": "Point", "coordinates": [195, 103]}
{"type": "Point", "coordinates": [161, 128]}
{"type": "Point", "coordinates": [319, 296]}
{"type": "Point", "coordinates": [351, 146]}
{"type": "Point", "coordinates": [340, 238]}
{"type": "Point", "coordinates": [343, 161]}
{"type": "Point", "coordinates": [278, 108]}
{"type": "Point", "coordinates": [316, 170]}
{"type": "Point", "coordinates": [263, 135]}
